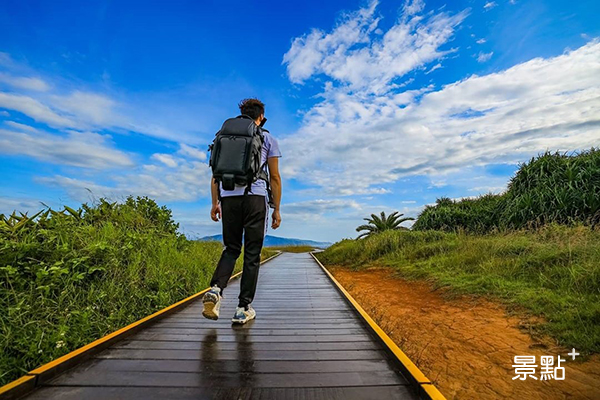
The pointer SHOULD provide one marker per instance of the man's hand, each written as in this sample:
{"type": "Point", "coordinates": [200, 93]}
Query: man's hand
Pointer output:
{"type": "Point", "coordinates": [215, 212]}
{"type": "Point", "coordinates": [276, 219]}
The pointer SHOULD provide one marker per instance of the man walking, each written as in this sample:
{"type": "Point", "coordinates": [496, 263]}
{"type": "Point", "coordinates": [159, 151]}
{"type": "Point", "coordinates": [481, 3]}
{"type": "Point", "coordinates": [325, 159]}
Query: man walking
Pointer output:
{"type": "Point", "coordinates": [244, 214]}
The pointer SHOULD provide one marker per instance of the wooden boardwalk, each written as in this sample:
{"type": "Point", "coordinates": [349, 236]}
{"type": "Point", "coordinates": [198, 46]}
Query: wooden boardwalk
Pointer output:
{"type": "Point", "coordinates": [307, 342]}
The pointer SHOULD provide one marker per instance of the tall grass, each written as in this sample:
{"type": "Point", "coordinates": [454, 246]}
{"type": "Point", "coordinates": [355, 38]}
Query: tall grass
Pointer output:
{"type": "Point", "coordinates": [70, 277]}
{"type": "Point", "coordinates": [553, 272]}
{"type": "Point", "coordinates": [550, 188]}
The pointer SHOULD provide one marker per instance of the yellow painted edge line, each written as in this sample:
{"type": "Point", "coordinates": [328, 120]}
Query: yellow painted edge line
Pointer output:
{"type": "Point", "coordinates": [53, 364]}
{"type": "Point", "coordinates": [25, 379]}
{"type": "Point", "coordinates": [400, 355]}
{"type": "Point", "coordinates": [433, 392]}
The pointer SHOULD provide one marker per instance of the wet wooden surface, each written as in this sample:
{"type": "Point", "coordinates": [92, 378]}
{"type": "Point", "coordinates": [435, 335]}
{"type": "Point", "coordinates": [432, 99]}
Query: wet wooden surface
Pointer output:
{"type": "Point", "coordinates": [306, 343]}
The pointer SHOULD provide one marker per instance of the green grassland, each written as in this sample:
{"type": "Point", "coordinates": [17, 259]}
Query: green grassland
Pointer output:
{"type": "Point", "coordinates": [535, 247]}
{"type": "Point", "coordinates": [553, 272]}
{"type": "Point", "coordinates": [68, 278]}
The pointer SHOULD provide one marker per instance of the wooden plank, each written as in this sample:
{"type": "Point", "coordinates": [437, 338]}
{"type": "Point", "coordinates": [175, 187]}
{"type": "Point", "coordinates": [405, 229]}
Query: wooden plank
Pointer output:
{"type": "Point", "coordinates": [258, 367]}
{"type": "Point", "coordinates": [224, 379]}
{"type": "Point", "coordinates": [354, 393]}
{"type": "Point", "coordinates": [398, 392]}
{"type": "Point", "coordinates": [218, 354]}
{"type": "Point", "coordinates": [254, 339]}
{"type": "Point", "coordinates": [277, 319]}
{"type": "Point", "coordinates": [165, 345]}
{"type": "Point", "coordinates": [257, 324]}
{"type": "Point", "coordinates": [259, 331]}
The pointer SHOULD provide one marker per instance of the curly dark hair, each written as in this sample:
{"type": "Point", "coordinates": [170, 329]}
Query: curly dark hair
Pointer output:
{"type": "Point", "coordinates": [252, 107]}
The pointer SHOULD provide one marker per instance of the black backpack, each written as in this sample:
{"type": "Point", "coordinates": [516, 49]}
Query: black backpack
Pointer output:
{"type": "Point", "coordinates": [235, 154]}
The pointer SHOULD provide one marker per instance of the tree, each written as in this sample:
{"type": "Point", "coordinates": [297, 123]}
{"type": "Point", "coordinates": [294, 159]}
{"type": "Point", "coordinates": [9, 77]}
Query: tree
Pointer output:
{"type": "Point", "coordinates": [379, 224]}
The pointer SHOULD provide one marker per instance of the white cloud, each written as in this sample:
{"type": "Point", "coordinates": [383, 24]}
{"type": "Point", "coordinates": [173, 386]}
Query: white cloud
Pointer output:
{"type": "Point", "coordinates": [483, 57]}
{"type": "Point", "coordinates": [436, 66]}
{"type": "Point", "coordinates": [489, 5]}
{"type": "Point", "coordinates": [309, 52]}
{"type": "Point", "coordinates": [21, 127]}
{"type": "Point", "coordinates": [319, 207]}
{"type": "Point", "coordinates": [354, 56]}
{"type": "Point", "coordinates": [24, 205]}
{"type": "Point", "coordinates": [353, 141]}
{"type": "Point", "coordinates": [27, 83]}
{"type": "Point", "coordinates": [186, 183]}
{"type": "Point", "coordinates": [480, 41]}
{"type": "Point", "coordinates": [189, 151]}
{"type": "Point", "coordinates": [88, 108]}
{"type": "Point", "coordinates": [80, 149]}
{"type": "Point", "coordinates": [412, 7]}
{"type": "Point", "coordinates": [179, 180]}
{"type": "Point", "coordinates": [166, 159]}
{"type": "Point", "coordinates": [35, 109]}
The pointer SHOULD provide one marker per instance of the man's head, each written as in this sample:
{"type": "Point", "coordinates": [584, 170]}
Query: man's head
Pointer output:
{"type": "Point", "coordinates": [254, 108]}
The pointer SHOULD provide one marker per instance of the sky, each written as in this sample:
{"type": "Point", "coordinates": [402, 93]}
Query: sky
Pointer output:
{"type": "Point", "coordinates": [377, 105]}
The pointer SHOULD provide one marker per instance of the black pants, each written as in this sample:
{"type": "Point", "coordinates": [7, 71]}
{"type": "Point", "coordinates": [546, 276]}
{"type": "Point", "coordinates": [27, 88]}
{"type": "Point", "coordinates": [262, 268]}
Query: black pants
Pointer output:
{"type": "Point", "coordinates": [242, 216]}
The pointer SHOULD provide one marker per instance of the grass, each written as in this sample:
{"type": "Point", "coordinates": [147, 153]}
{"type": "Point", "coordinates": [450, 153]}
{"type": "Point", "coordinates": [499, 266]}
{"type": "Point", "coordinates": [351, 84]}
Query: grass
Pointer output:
{"type": "Point", "coordinates": [68, 278]}
{"type": "Point", "coordinates": [552, 272]}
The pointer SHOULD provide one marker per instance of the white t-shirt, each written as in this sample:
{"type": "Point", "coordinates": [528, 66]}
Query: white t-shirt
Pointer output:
{"type": "Point", "coordinates": [269, 149]}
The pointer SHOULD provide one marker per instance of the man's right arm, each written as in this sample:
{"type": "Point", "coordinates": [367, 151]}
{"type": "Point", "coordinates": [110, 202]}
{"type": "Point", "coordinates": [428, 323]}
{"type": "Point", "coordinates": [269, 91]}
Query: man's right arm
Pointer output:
{"type": "Point", "coordinates": [215, 211]}
{"type": "Point", "coordinates": [275, 181]}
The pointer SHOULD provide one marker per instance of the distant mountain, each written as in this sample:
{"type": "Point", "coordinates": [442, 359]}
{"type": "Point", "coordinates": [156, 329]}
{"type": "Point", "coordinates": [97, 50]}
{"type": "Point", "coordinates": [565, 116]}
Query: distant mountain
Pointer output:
{"type": "Point", "coordinates": [275, 241]}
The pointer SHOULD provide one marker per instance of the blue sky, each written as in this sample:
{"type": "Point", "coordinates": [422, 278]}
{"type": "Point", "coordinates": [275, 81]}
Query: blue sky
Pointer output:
{"type": "Point", "coordinates": [377, 105]}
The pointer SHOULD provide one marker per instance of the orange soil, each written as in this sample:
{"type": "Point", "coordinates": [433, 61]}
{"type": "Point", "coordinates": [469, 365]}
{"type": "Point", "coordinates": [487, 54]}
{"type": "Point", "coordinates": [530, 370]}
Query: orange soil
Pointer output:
{"type": "Point", "coordinates": [465, 345]}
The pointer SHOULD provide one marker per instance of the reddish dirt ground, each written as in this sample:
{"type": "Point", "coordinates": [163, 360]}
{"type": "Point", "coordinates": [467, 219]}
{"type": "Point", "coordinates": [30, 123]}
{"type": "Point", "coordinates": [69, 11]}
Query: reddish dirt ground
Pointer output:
{"type": "Point", "coordinates": [465, 345]}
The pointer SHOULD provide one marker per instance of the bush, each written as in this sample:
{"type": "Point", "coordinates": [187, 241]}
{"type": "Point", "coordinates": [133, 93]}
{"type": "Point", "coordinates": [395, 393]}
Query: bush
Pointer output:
{"type": "Point", "coordinates": [550, 188]}
{"type": "Point", "coordinates": [70, 277]}
{"type": "Point", "coordinates": [477, 215]}
{"type": "Point", "coordinates": [555, 188]}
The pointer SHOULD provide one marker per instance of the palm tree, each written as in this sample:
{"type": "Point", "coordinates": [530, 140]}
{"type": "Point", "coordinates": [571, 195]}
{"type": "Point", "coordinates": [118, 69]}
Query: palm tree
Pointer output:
{"type": "Point", "coordinates": [379, 224]}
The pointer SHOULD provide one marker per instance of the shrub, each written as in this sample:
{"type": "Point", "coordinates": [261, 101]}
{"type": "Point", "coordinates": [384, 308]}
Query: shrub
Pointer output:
{"type": "Point", "coordinates": [70, 277]}
{"type": "Point", "coordinates": [550, 188]}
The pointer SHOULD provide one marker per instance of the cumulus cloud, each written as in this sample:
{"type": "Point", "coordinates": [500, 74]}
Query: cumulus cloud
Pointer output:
{"type": "Point", "coordinates": [356, 139]}
{"type": "Point", "coordinates": [79, 149]}
{"type": "Point", "coordinates": [356, 56]}
{"type": "Point", "coordinates": [190, 151]}
{"type": "Point", "coordinates": [166, 159]}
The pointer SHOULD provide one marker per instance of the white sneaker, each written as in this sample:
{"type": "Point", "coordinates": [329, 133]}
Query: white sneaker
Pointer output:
{"type": "Point", "coordinates": [242, 316]}
{"type": "Point", "coordinates": [212, 303]}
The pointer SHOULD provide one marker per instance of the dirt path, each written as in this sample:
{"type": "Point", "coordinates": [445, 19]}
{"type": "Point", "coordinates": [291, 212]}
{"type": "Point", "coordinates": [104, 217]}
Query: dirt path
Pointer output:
{"type": "Point", "coordinates": [465, 345]}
